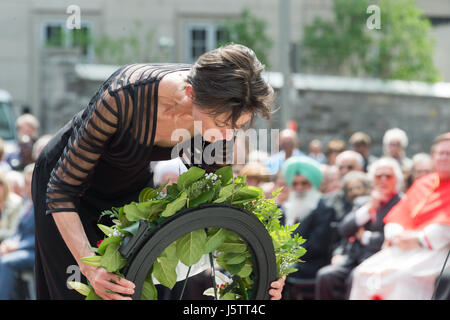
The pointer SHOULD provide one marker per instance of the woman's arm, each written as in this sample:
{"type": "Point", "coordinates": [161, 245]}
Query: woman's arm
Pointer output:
{"type": "Point", "coordinates": [72, 231]}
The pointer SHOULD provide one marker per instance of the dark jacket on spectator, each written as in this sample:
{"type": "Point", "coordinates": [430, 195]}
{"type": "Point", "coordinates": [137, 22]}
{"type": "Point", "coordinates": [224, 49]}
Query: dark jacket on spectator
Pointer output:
{"type": "Point", "coordinates": [315, 228]}
{"type": "Point", "coordinates": [355, 250]}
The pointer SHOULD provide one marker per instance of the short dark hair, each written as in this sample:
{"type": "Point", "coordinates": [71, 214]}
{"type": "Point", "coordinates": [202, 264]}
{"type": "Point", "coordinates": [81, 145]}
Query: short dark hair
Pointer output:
{"type": "Point", "coordinates": [228, 80]}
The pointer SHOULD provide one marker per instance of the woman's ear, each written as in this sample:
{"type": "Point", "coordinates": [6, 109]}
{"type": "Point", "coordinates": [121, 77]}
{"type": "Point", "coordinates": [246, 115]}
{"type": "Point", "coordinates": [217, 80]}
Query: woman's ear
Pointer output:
{"type": "Point", "coordinates": [190, 92]}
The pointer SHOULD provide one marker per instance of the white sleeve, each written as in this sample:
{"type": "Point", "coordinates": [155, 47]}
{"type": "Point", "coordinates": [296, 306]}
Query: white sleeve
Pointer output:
{"type": "Point", "coordinates": [437, 236]}
{"type": "Point", "coordinates": [391, 230]}
{"type": "Point", "coordinates": [362, 216]}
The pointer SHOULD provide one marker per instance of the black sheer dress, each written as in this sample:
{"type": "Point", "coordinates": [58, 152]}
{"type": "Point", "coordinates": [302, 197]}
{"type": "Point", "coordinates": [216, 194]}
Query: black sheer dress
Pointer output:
{"type": "Point", "coordinates": [98, 160]}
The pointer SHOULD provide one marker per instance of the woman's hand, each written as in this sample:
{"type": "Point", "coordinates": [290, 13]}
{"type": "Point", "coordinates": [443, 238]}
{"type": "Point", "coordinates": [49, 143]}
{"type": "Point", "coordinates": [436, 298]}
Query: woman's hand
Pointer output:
{"type": "Point", "coordinates": [277, 288]}
{"type": "Point", "coordinates": [107, 285]}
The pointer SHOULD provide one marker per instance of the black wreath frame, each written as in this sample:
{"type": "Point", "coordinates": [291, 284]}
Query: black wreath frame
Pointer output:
{"type": "Point", "coordinates": [146, 245]}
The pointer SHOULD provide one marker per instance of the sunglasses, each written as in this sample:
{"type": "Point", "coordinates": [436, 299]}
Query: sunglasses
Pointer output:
{"type": "Point", "coordinates": [349, 167]}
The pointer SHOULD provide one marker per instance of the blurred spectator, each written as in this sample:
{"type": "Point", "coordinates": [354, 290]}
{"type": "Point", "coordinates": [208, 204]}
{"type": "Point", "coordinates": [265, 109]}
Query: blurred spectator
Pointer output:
{"type": "Point", "coordinates": [315, 151]}
{"type": "Point", "coordinates": [168, 170]}
{"type": "Point", "coordinates": [288, 144]}
{"type": "Point", "coordinates": [334, 147]}
{"type": "Point", "coordinates": [4, 165]}
{"type": "Point", "coordinates": [305, 205]}
{"type": "Point", "coordinates": [395, 142]}
{"type": "Point", "coordinates": [349, 160]}
{"type": "Point", "coordinates": [16, 182]}
{"type": "Point", "coordinates": [39, 145]}
{"type": "Point", "coordinates": [355, 184]}
{"type": "Point", "coordinates": [280, 182]}
{"type": "Point", "coordinates": [422, 165]}
{"type": "Point", "coordinates": [417, 238]}
{"type": "Point", "coordinates": [27, 127]}
{"type": "Point", "coordinates": [361, 143]}
{"type": "Point", "coordinates": [363, 229]}
{"type": "Point", "coordinates": [17, 251]}
{"type": "Point", "coordinates": [346, 161]}
{"type": "Point", "coordinates": [9, 209]}
{"type": "Point", "coordinates": [256, 173]}
{"type": "Point", "coordinates": [331, 179]}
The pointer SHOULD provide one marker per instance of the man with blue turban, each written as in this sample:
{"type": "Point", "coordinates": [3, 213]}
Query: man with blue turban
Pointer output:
{"type": "Point", "coordinates": [306, 206]}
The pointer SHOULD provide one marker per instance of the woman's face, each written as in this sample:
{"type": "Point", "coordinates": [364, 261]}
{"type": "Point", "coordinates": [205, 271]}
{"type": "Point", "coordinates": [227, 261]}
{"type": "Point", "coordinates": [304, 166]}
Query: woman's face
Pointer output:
{"type": "Point", "coordinates": [214, 128]}
{"type": "Point", "coordinates": [355, 188]}
{"type": "Point", "coordinates": [385, 181]}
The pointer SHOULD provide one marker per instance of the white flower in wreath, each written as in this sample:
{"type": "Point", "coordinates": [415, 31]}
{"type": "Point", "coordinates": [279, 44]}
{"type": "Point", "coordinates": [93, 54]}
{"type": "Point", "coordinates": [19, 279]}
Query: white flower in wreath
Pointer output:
{"type": "Point", "coordinates": [221, 282]}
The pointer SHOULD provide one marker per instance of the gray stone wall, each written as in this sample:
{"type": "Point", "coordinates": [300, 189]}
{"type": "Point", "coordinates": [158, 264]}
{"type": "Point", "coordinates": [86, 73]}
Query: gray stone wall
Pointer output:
{"type": "Point", "coordinates": [324, 107]}
{"type": "Point", "coordinates": [325, 115]}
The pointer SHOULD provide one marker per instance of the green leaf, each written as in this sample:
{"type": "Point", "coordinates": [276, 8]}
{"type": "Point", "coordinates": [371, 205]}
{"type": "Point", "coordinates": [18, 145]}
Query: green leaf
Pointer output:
{"type": "Point", "coordinates": [112, 260]}
{"type": "Point", "coordinates": [228, 296]}
{"type": "Point", "coordinates": [144, 210]}
{"type": "Point", "coordinates": [106, 242]}
{"type": "Point", "coordinates": [106, 230]}
{"type": "Point", "coordinates": [191, 247]}
{"type": "Point", "coordinates": [164, 270]}
{"type": "Point", "coordinates": [124, 222]}
{"type": "Point", "coordinates": [132, 228]}
{"type": "Point", "coordinates": [246, 270]}
{"type": "Point", "coordinates": [235, 258]}
{"type": "Point", "coordinates": [93, 296]}
{"type": "Point", "coordinates": [170, 252]}
{"type": "Point", "coordinates": [172, 191]}
{"type": "Point", "coordinates": [175, 206]}
{"type": "Point", "coordinates": [189, 177]}
{"type": "Point", "coordinates": [149, 291]}
{"type": "Point", "coordinates": [146, 194]}
{"type": "Point", "coordinates": [214, 241]}
{"type": "Point", "coordinates": [225, 193]}
{"type": "Point", "coordinates": [234, 268]}
{"type": "Point", "coordinates": [203, 198]}
{"type": "Point", "coordinates": [234, 247]}
{"type": "Point", "coordinates": [226, 175]}
{"type": "Point", "coordinates": [246, 194]}
{"type": "Point", "coordinates": [92, 260]}
{"type": "Point", "coordinates": [80, 287]}
{"type": "Point", "coordinates": [133, 213]}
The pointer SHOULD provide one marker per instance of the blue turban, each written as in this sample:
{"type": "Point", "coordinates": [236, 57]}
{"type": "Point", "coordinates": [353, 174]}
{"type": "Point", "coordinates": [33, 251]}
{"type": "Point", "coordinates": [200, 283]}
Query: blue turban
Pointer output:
{"type": "Point", "coordinates": [304, 166]}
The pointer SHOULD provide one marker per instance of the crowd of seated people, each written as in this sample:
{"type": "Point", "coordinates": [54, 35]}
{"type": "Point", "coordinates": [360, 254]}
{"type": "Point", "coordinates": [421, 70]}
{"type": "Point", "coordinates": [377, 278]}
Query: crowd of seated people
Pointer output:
{"type": "Point", "coordinates": [376, 226]}
{"type": "Point", "coordinates": [16, 208]}
{"type": "Point", "coordinates": [344, 198]}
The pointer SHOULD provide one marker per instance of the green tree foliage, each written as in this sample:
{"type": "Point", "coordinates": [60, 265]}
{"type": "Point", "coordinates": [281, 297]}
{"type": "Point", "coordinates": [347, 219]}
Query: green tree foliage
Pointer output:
{"type": "Point", "coordinates": [135, 47]}
{"type": "Point", "coordinates": [250, 31]}
{"type": "Point", "coordinates": [401, 49]}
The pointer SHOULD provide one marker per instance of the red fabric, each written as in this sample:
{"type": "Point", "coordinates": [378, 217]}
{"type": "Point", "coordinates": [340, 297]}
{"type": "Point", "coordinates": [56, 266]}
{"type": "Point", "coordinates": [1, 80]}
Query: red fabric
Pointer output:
{"type": "Point", "coordinates": [293, 125]}
{"type": "Point", "coordinates": [426, 202]}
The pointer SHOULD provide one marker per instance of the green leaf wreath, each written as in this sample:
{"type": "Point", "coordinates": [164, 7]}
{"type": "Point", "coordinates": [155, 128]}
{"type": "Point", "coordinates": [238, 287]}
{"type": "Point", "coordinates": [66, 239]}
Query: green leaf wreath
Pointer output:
{"type": "Point", "coordinates": [196, 187]}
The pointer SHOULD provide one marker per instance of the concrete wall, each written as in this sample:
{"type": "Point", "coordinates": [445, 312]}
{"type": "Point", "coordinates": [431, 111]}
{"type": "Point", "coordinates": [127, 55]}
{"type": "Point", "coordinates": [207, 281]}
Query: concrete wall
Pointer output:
{"type": "Point", "coordinates": [22, 54]}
